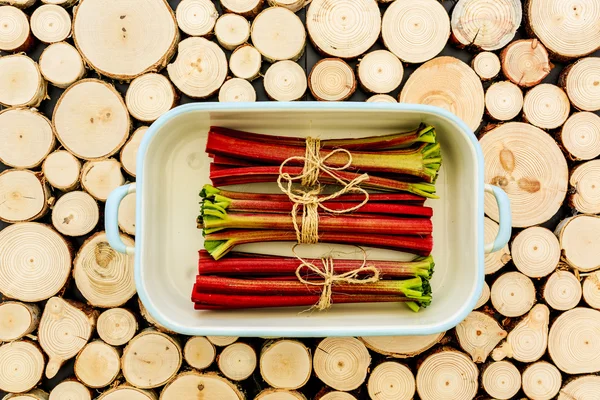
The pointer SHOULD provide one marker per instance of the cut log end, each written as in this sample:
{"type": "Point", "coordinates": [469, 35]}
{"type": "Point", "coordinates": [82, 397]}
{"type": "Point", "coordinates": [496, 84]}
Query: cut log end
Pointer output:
{"type": "Point", "coordinates": [513, 294]}
{"type": "Point", "coordinates": [128, 154]}
{"type": "Point", "coordinates": [61, 64]}
{"type": "Point", "coordinates": [102, 275]}
{"type": "Point", "coordinates": [21, 82]}
{"type": "Point", "coordinates": [126, 392]}
{"type": "Point", "coordinates": [150, 319]}
{"type": "Point", "coordinates": [381, 98]}
{"type": "Point", "coordinates": [415, 31]}
{"type": "Point", "coordinates": [285, 364]}
{"type": "Point", "coordinates": [279, 394]}
{"type": "Point", "coordinates": [562, 291]}
{"type": "Point", "coordinates": [285, 81]}
{"type": "Point", "coordinates": [380, 72]}
{"type": "Point", "coordinates": [292, 5]}
{"type": "Point", "coordinates": [237, 90]}
{"type": "Point", "coordinates": [247, 8]}
{"type": "Point", "coordinates": [341, 363]}
{"type": "Point", "coordinates": [97, 364]}
{"type": "Point", "coordinates": [333, 30]}
{"type": "Point", "coordinates": [232, 30]}
{"type": "Point", "coordinates": [485, 296]}
{"type": "Point", "coordinates": [581, 387]}
{"type": "Point", "coordinates": [70, 390]}
{"type": "Point", "coordinates": [199, 69]}
{"type": "Point", "coordinates": [541, 381]}
{"type": "Point", "coordinates": [478, 335]}
{"type": "Point", "coordinates": [149, 96]}
{"type": "Point", "coordinates": [32, 246]}
{"type": "Point", "coordinates": [126, 218]}
{"type": "Point", "coordinates": [591, 290]}
{"type": "Point", "coordinates": [25, 196]}
{"type": "Point", "coordinates": [75, 214]}
{"type": "Point", "coordinates": [447, 374]}
{"type": "Point", "coordinates": [27, 137]}
{"type": "Point", "coordinates": [222, 341]}
{"type": "Point", "coordinates": [581, 81]}
{"type": "Point", "coordinates": [199, 352]}
{"type": "Point", "coordinates": [501, 380]}
{"type": "Point", "coordinates": [331, 79]}
{"type": "Point", "coordinates": [278, 34]}
{"type": "Point", "coordinates": [579, 241]}
{"type": "Point", "coordinates": [536, 252]}
{"type": "Point", "coordinates": [15, 35]}
{"type": "Point", "coordinates": [245, 62]}
{"type": "Point", "coordinates": [585, 182]}
{"type": "Point", "coordinates": [197, 385]}
{"type": "Point", "coordinates": [503, 100]}
{"type": "Point", "coordinates": [546, 106]}
{"type": "Point", "coordinates": [17, 320]}
{"type": "Point", "coordinates": [580, 136]}
{"type": "Point", "coordinates": [488, 25]}
{"type": "Point", "coordinates": [391, 381]}
{"type": "Point", "coordinates": [21, 366]}
{"type": "Point", "coordinates": [525, 62]}
{"type": "Point", "coordinates": [100, 178]}
{"type": "Point", "coordinates": [487, 65]}
{"type": "Point", "coordinates": [401, 346]}
{"type": "Point", "coordinates": [51, 23]}
{"type": "Point", "coordinates": [496, 260]}
{"type": "Point", "coordinates": [237, 361]}
{"type": "Point", "coordinates": [196, 17]}
{"type": "Point", "coordinates": [116, 326]}
{"type": "Point", "coordinates": [61, 170]}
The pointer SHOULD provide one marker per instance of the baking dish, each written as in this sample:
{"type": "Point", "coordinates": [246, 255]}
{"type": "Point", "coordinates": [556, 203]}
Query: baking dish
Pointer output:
{"type": "Point", "coordinates": [172, 167]}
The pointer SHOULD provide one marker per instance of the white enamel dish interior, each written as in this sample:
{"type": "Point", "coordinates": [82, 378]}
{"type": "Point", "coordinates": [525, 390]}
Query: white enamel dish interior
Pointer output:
{"type": "Point", "coordinates": [172, 167]}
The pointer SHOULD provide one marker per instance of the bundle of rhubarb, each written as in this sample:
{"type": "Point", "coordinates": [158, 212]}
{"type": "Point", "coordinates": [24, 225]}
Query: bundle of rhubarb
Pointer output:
{"type": "Point", "coordinates": [400, 171]}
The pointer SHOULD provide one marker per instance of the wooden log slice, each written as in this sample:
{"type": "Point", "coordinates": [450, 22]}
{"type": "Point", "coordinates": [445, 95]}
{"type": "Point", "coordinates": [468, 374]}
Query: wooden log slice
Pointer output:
{"type": "Point", "coordinates": [70, 390]}
{"type": "Point", "coordinates": [391, 380]}
{"type": "Point", "coordinates": [292, 5]}
{"type": "Point", "coordinates": [75, 214]}
{"type": "Point", "coordinates": [196, 17]}
{"type": "Point", "coordinates": [237, 361]}
{"type": "Point", "coordinates": [35, 394]}
{"type": "Point", "coordinates": [245, 62]}
{"type": "Point", "coordinates": [21, 366]}
{"type": "Point", "coordinates": [285, 364]}
{"type": "Point", "coordinates": [153, 322]}
{"type": "Point", "coordinates": [341, 363]}
{"type": "Point", "coordinates": [15, 35]}
{"type": "Point", "coordinates": [24, 196]}
{"type": "Point", "coordinates": [35, 262]}
{"type": "Point", "coordinates": [149, 96]}
{"type": "Point", "coordinates": [246, 8]}
{"type": "Point", "coordinates": [17, 320]}
{"type": "Point", "coordinates": [541, 381]}
{"type": "Point", "coordinates": [18, 3]}
{"type": "Point", "coordinates": [91, 119]}
{"type": "Point", "coordinates": [585, 182]}
{"type": "Point", "coordinates": [335, 395]}
{"type": "Point", "coordinates": [27, 137]}
{"type": "Point", "coordinates": [535, 252]}
{"type": "Point", "coordinates": [61, 64]}
{"type": "Point", "coordinates": [449, 83]}
{"type": "Point", "coordinates": [478, 335]}
{"type": "Point", "coordinates": [581, 81]}
{"type": "Point", "coordinates": [503, 100]}
{"type": "Point", "coordinates": [196, 385]}
{"type": "Point", "coordinates": [529, 166]}
{"type": "Point", "coordinates": [447, 374]}
{"type": "Point", "coordinates": [525, 62]}
{"type": "Point", "coordinates": [582, 387]}
{"type": "Point", "coordinates": [65, 328]}
{"type": "Point", "coordinates": [513, 294]}
{"type": "Point", "coordinates": [151, 359]}
{"type": "Point", "coordinates": [97, 365]}
{"type": "Point", "coordinates": [21, 82]}
{"type": "Point", "coordinates": [278, 34]}
{"type": "Point", "coordinates": [415, 31]}
{"type": "Point", "coordinates": [51, 23]}
{"type": "Point", "coordinates": [126, 392]}
{"type": "Point", "coordinates": [501, 380]}
{"type": "Point", "coordinates": [546, 106]}
{"type": "Point", "coordinates": [380, 71]}
{"type": "Point", "coordinates": [381, 98]}
{"type": "Point", "coordinates": [579, 242]}
{"type": "Point", "coordinates": [528, 340]}
{"type": "Point", "coordinates": [484, 298]}
{"type": "Point", "coordinates": [237, 90]}
{"type": "Point", "coordinates": [487, 65]}
{"type": "Point", "coordinates": [591, 290]}
{"type": "Point", "coordinates": [134, 48]}
{"type": "Point", "coordinates": [285, 81]}
{"type": "Point", "coordinates": [232, 30]}
{"type": "Point", "coordinates": [279, 394]}
{"type": "Point", "coordinates": [103, 275]}
{"type": "Point", "coordinates": [126, 218]}
{"type": "Point", "coordinates": [580, 136]}
{"type": "Point", "coordinates": [343, 28]}
{"type": "Point", "coordinates": [199, 69]}
{"type": "Point", "coordinates": [222, 341]}
{"type": "Point", "coordinates": [331, 79]}
{"type": "Point", "coordinates": [129, 151]}
{"type": "Point", "coordinates": [199, 352]}
{"type": "Point", "coordinates": [100, 177]}
{"type": "Point", "coordinates": [401, 346]}
{"type": "Point", "coordinates": [573, 341]}
{"type": "Point", "coordinates": [567, 28]}
{"type": "Point", "coordinates": [494, 261]}
{"type": "Point", "coordinates": [116, 326]}
{"type": "Point", "coordinates": [488, 25]}
{"type": "Point", "coordinates": [64, 3]}
{"type": "Point", "coordinates": [61, 170]}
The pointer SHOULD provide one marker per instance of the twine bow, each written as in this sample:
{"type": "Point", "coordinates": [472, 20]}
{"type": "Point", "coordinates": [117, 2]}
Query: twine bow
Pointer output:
{"type": "Point", "coordinates": [329, 278]}
{"type": "Point", "coordinates": [309, 200]}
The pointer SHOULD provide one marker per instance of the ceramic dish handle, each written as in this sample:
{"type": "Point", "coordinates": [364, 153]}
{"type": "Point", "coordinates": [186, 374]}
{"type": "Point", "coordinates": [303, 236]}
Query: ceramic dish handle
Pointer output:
{"type": "Point", "coordinates": [505, 219]}
{"type": "Point", "coordinates": [111, 218]}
